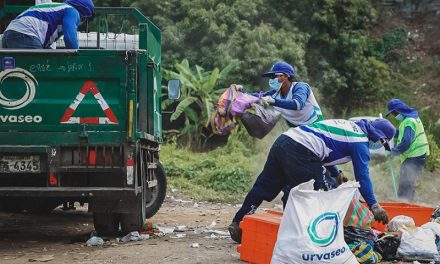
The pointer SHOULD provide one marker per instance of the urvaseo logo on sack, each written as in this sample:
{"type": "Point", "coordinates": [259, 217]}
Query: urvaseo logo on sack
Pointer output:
{"type": "Point", "coordinates": [313, 228]}
{"type": "Point", "coordinates": [322, 232]}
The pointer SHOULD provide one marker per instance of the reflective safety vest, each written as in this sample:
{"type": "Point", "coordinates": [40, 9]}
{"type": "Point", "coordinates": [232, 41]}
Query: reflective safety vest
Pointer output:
{"type": "Point", "coordinates": [419, 145]}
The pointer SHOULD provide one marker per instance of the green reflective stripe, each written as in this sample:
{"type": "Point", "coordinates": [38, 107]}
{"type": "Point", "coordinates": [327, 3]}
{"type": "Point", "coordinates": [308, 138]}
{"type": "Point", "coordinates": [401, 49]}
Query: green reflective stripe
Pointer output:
{"type": "Point", "coordinates": [47, 5]}
{"type": "Point", "coordinates": [320, 118]}
{"type": "Point", "coordinates": [426, 144]}
{"type": "Point", "coordinates": [336, 131]}
{"type": "Point", "coordinates": [419, 135]}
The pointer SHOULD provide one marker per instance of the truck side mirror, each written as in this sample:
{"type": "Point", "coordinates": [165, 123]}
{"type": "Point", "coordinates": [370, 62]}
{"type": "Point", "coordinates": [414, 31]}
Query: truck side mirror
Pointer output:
{"type": "Point", "coordinates": [174, 89]}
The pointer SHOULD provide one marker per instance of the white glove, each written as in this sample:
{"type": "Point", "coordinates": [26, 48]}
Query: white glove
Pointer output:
{"type": "Point", "coordinates": [237, 87]}
{"type": "Point", "coordinates": [268, 100]}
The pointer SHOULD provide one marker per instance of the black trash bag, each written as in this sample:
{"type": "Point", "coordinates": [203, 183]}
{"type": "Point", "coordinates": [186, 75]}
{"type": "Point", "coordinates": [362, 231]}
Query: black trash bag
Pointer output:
{"type": "Point", "coordinates": [354, 234]}
{"type": "Point", "coordinates": [387, 246]}
{"type": "Point", "coordinates": [260, 120]}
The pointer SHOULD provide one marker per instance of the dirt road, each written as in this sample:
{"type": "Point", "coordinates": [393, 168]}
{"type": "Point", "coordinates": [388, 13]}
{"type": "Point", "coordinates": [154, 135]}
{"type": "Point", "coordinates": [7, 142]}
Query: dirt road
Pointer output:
{"type": "Point", "coordinates": [60, 236]}
{"type": "Point", "coordinates": [28, 238]}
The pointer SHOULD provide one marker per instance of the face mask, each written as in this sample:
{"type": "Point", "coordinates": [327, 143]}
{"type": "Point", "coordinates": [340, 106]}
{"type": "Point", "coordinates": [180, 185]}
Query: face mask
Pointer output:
{"type": "Point", "coordinates": [374, 145]}
{"type": "Point", "coordinates": [400, 117]}
{"type": "Point", "coordinates": [274, 84]}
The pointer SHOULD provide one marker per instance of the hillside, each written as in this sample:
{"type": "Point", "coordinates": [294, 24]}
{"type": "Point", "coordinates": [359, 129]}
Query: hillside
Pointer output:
{"type": "Point", "coordinates": [418, 61]}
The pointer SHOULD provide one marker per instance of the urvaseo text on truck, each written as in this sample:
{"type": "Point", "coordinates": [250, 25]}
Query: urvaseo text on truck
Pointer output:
{"type": "Point", "coordinates": [85, 125]}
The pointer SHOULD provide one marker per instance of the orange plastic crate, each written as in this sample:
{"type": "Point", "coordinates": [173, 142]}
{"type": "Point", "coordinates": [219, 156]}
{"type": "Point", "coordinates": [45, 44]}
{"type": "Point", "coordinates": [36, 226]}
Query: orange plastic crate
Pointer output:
{"type": "Point", "coordinates": [259, 236]}
{"type": "Point", "coordinates": [421, 214]}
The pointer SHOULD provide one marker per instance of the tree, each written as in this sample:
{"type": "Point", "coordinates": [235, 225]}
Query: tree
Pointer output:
{"type": "Point", "coordinates": [199, 90]}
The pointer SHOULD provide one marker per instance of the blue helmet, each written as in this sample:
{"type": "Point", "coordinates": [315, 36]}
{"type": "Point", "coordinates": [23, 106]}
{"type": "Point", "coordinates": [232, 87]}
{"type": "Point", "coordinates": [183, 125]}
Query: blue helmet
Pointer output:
{"type": "Point", "coordinates": [400, 107]}
{"type": "Point", "coordinates": [84, 7]}
{"type": "Point", "coordinates": [280, 67]}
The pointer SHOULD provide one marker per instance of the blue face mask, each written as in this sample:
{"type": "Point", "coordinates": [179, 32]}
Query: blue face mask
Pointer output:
{"type": "Point", "coordinates": [400, 117]}
{"type": "Point", "coordinates": [374, 145]}
{"type": "Point", "coordinates": [274, 84]}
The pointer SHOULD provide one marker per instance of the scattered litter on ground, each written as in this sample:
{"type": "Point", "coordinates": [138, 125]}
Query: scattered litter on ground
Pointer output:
{"type": "Point", "coordinates": [165, 230]}
{"type": "Point", "coordinates": [181, 228]}
{"type": "Point", "coordinates": [179, 236]}
{"type": "Point", "coordinates": [172, 198]}
{"type": "Point", "coordinates": [95, 241]}
{"type": "Point", "coordinates": [212, 225]}
{"type": "Point", "coordinates": [195, 245]}
{"type": "Point", "coordinates": [133, 236]}
{"type": "Point", "coordinates": [42, 258]}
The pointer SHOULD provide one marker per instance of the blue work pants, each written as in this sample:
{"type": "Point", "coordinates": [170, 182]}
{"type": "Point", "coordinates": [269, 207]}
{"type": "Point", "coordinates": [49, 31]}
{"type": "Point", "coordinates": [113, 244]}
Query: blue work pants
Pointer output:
{"type": "Point", "coordinates": [410, 170]}
{"type": "Point", "coordinates": [16, 40]}
{"type": "Point", "coordinates": [288, 164]}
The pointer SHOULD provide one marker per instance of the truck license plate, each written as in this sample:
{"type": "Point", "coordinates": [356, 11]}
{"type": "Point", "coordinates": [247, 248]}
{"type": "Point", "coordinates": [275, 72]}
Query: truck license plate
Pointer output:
{"type": "Point", "coordinates": [20, 164]}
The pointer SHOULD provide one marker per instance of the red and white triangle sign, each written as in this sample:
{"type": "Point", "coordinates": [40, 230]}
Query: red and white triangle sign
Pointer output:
{"type": "Point", "coordinates": [89, 86]}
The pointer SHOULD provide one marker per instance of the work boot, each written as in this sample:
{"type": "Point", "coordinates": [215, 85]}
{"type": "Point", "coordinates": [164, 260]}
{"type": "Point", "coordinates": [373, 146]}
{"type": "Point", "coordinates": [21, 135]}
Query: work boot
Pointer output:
{"type": "Point", "coordinates": [235, 232]}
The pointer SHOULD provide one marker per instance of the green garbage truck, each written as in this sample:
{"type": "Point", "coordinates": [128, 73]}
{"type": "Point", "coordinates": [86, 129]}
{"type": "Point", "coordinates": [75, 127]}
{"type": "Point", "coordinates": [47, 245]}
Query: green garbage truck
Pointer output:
{"type": "Point", "coordinates": [85, 125]}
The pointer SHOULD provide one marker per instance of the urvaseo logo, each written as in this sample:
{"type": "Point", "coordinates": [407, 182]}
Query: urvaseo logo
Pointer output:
{"type": "Point", "coordinates": [322, 232]}
{"type": "Point", "coordinates": [323, 219]}
{"type": "Point", "coordinates": [30, 82]}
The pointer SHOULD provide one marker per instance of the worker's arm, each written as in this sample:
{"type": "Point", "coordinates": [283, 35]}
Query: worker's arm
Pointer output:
{"type": "Point", "coordinates": [334, 170]}
{"type": "Point", "coordinates": [408, 137]}
{"type": "Point", "coordinates": [361, 158]}
{"type": "Point", "coordinates": [268, 93]}
{"type": "Point", "coordinates": [70, 26]}
{"type": "Point", "coordinates": [300, 93]}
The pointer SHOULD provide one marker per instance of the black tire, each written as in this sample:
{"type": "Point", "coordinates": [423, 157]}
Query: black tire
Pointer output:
{"type": "Point", "coordinates": [106, 224]}
{"type": "Point", "coordinates": [11, 206]}
{"type": "Point", "coordinates": [147, 203]}
{"type": "Point", "coordinates": [40, 206]}
{"type": "Point", "coordinates": [157, 195]}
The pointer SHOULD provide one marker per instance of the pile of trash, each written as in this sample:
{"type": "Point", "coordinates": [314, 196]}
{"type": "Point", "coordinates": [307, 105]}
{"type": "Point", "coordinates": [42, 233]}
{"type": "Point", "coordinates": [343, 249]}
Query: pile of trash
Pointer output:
{"type": "Point", "coordinates": [402, 240]}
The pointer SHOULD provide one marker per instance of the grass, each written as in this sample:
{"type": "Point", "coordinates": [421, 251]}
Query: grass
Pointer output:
{"type": "Point", "coordinates": [427, 186]}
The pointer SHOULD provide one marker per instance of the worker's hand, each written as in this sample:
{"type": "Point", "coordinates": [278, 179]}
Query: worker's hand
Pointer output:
{"type": "Point", "coordinates": [341, 178]}
{"type": "Point", "coordinates": [236, 87]}
{"type": "Point", "coordinates": [379, 213]}
{"type": "Point", "coordinates": [267, 100]}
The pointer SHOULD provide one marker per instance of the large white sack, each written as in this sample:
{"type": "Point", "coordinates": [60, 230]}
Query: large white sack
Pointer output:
{"type": "Point", "coordinates": [417, 242]}
{"type": "Point", "coordinates": [311, 230]}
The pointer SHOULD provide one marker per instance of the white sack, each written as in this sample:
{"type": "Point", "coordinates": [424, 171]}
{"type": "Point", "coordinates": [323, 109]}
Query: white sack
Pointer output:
{"type": "Point", "coordinates": [311, 230]}
{"type": "Point", "coordinates": [417, 242]}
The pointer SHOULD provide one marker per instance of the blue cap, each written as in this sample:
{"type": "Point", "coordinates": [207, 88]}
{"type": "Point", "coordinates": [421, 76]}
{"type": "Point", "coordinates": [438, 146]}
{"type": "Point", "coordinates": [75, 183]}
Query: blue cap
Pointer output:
{"type": "Point", "coordinates": [400, 107]}
{"type": "Point", "coordinates": [84, 7]}
{"type": "Point", "coordinates": [280, 67]}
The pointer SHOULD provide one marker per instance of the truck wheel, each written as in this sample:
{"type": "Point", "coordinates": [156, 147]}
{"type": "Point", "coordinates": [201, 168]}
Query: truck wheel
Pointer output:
{"type": "Point", "coordinates": [106, 224]}
{"type": "Point", "coordinates": [156, 195]}
{"type": "Point", "coordinates": [148, 203]}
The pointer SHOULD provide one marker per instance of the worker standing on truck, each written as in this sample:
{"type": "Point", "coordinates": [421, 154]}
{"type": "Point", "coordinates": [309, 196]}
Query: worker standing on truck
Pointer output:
{"type": "Point", "coordinates": [412, 146]}
{"type": "Point", "coordinates": [39, 26]}
{"type": "Point", "coordinates": [298, 155]}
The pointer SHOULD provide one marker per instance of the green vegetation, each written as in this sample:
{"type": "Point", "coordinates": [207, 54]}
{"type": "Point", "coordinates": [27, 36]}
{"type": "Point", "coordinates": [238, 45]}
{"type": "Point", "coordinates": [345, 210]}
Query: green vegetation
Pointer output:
{"type": "Point", "coordinates": [222, 174]}
{"type": "Point", "coordinates": [391, 41]}
{"type": "Point", "coordinates": [199, 89]}
{"type": "Point", "coordinates": [331, 45]}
